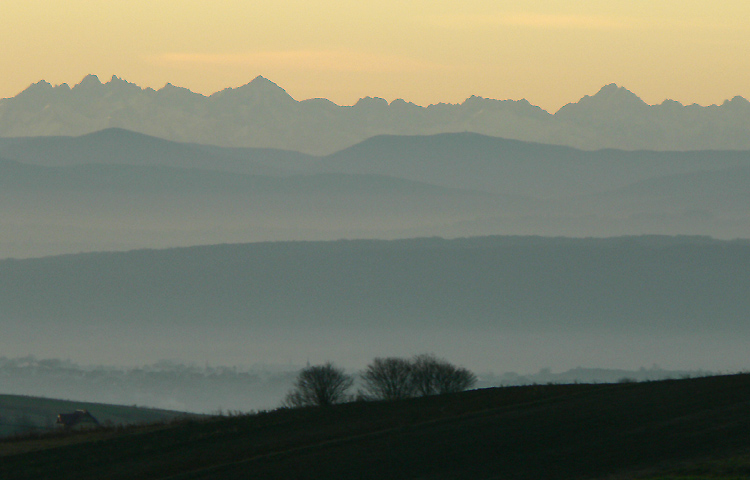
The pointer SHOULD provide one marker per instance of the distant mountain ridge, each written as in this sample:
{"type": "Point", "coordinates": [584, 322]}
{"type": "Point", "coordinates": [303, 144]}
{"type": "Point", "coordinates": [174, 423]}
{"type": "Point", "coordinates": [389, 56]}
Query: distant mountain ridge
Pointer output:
{"type": "Point", "coordinates": [120, 146]}
{"type": "Point", "coordinates": [261, 114]}
{"type": "Point", "coordinates": [118, 190]}
{"type": "Point", "coordinates": [266, 301]}
{"type": "Point", "coordinates": [500, 165]}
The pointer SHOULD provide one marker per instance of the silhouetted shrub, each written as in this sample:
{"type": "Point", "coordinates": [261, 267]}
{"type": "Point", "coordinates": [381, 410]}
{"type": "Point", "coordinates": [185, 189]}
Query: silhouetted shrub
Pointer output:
{"type": "Point", "coordinates": [434, 376]}
{"type": "Point", "coordinates": [319, 385]}
{"type": "Point", "coordinates": [388, 379]}
{"type": "Point", "coordinates": [394, 378]}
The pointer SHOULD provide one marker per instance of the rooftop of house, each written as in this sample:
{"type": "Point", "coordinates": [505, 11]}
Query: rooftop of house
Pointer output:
{"type": "Point", "coordinates": [76, 418]}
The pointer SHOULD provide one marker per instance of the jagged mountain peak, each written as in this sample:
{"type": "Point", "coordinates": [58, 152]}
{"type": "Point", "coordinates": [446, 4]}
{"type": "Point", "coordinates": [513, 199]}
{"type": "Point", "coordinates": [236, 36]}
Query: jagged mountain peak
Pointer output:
{"type": "Point", "coordinates": [36, 88]}
{"type": "Point", "coordinates": [171, 90]}
{"type": "Point", "coordinates": [258, 88]}
{"type": "Point", "coordinates": [115, 80]}
{"type": "Point", "coordinates": [261, 81]}
{"type": "Point", "coordinates": [262, 114]}
{"type": "Point", "coordinates": [89, 81]}
{"type": "Point", "coordinates": [371, 102]}
{"type": "Point", "coordinates": [669, 103]}
{"type": "Point", "coordinates": [614, 94]}
{"type": "Point", "coordinates": [611, 99]}
{"type": "Point", "coordinates": [737, 101]}
{"type": "Point", "coordinates": [613, 89]}
{"type": "Point", "coordinates": [403, 104]}
{"type": "Point", "coordinates": [118, 85]}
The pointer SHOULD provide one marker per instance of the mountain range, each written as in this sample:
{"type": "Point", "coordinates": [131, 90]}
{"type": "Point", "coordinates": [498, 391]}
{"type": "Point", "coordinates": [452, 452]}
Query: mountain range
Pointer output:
{"type": "Point", "coordinates": [261, 114]}
{"type": "Point", "coordinates": [118, 190]}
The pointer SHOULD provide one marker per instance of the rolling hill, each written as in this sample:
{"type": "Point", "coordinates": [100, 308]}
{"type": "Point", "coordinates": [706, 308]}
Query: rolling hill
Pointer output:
{"type": "Point", "coordinates": [479, 162]}
{"type": "Point", "coordinates": [125, 147]}
{"type": "Point", "coordinates": [524, 302]}
{"type": "Point", "coordinates": [25, 414]}
{"type": "Point", "coordinates": [694, 428]}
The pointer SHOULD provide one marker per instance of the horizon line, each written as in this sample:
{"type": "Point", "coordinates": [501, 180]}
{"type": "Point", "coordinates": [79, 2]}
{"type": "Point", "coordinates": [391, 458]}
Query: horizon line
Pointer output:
{"type": "Point", "coordinates": [116, 78]}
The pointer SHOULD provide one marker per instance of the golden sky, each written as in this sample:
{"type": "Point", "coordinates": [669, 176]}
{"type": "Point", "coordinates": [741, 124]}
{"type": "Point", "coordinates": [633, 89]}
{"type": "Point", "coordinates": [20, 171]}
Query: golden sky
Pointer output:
{"type": "Point", "coordinates": [550, 52]}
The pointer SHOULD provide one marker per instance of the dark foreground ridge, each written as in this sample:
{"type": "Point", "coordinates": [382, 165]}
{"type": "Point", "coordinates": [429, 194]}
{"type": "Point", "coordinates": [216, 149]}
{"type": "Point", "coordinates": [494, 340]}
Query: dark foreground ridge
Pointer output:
{"type": "Point", "coordinates": [627, 430]}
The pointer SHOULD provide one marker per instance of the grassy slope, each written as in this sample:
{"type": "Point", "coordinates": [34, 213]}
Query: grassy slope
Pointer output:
{"type": "Point", "coordinates": [18, 412]}
{"type": "Point", "coordinates": [554, 431]}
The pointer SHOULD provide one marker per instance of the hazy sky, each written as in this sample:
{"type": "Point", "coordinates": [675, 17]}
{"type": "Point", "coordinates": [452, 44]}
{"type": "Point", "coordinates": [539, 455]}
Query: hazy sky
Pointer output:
{"type": "Point", "coordinates": [548, 51]}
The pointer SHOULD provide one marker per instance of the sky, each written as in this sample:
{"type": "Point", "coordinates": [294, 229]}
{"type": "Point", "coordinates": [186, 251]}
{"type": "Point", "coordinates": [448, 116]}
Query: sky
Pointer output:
{"type": "Point", "coordinates": [550, 52]}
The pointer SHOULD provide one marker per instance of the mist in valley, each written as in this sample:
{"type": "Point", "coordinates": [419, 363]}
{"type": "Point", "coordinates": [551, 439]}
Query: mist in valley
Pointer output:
{"type": "Point", "coordinates": [492, 304]}
{"type": "Point", "coordinates": [141, 270]}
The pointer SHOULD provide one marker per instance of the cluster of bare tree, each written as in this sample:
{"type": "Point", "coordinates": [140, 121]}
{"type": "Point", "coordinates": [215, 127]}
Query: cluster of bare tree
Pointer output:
{"type": "Point", "coordinates": [389, 378]}
{"type": "Point", "coordinates": [320, 385]}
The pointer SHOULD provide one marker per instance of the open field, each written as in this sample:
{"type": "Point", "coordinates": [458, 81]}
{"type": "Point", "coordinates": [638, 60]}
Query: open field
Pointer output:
{"type": "Point", "coordinates": [691, 428]}
{"type": "Point", "coordinates": [20, 414]}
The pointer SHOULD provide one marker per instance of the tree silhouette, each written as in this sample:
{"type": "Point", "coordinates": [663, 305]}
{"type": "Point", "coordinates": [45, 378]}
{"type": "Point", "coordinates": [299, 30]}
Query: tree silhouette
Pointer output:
{"type": "Point", "coordinates": [393, 378]}
{"type": "Point", "coordinates": [319, 385]}
{"type": "Point", "coordinates": [388, 379]}
{"type": "Point", "coordinates": [434, 376]}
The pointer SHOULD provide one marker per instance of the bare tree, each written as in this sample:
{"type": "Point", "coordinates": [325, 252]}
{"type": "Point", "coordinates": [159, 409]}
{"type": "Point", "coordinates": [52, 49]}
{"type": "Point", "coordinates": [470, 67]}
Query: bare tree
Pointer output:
{"type": "Point", "coordinates": [319, 385]}
{"type": "Point", "coordinates": [388, 379]}
{"type": "Point", "coordinates": [425, 375]}
{"type": "Point", "coordinates": [433, 376]}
